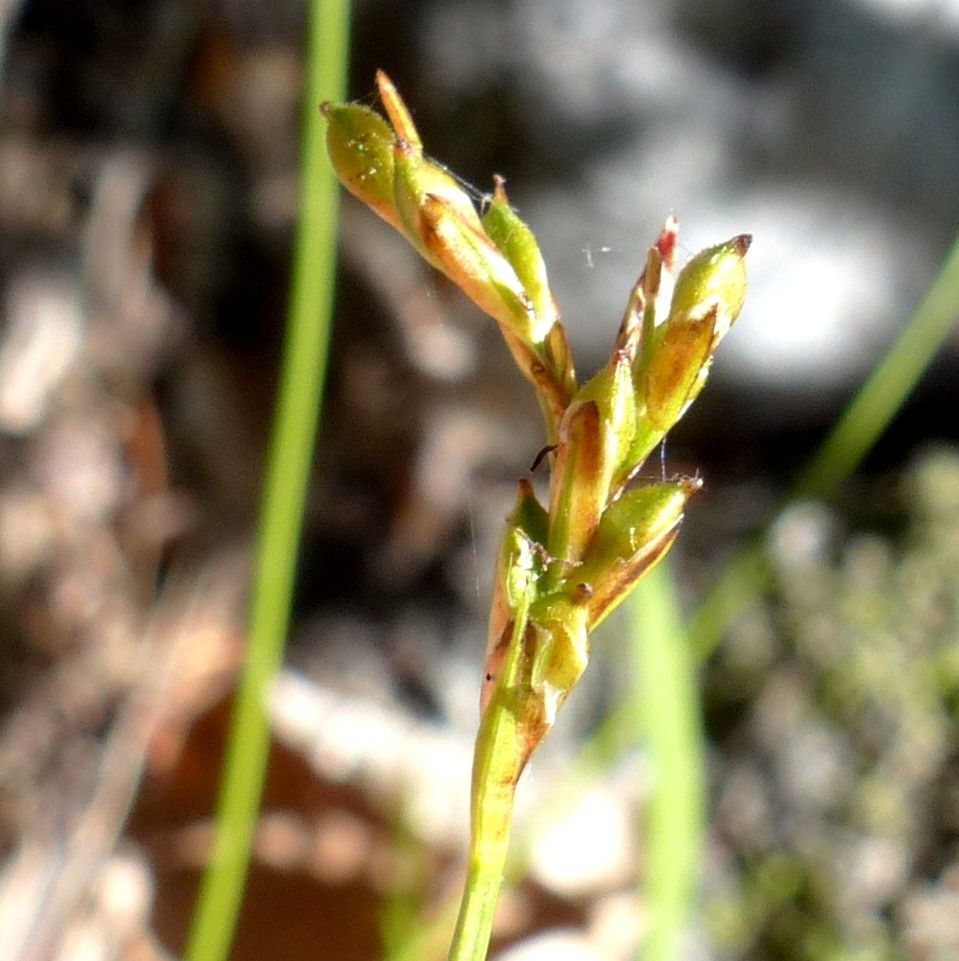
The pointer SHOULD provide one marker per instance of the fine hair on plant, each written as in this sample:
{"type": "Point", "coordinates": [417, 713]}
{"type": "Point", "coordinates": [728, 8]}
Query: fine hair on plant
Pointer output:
{"type": "Point", "coordinates": [563, 565]}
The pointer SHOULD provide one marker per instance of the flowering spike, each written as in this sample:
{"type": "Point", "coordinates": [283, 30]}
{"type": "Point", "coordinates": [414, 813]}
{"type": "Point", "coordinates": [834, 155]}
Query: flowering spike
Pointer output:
{"type": "Point", "coordinates": [499, 268]}
{"type": "Point", "coordinates": [560, 571]}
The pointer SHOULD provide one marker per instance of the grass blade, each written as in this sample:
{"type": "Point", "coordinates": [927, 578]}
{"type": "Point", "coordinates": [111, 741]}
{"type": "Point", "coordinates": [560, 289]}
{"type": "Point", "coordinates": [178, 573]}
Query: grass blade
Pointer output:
{"type": "Point", "coordinates": [287, 472]}
{"type": "Point", "coordinates": [667, 699]}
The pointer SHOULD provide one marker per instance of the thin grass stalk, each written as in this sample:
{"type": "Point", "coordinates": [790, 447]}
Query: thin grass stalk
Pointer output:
{"type": "Point", "coordinates": [281, 513]}
{"type": "Point", "coordinates": [667, 706]}
{"type": "Point", "coordinates": [862, 423]}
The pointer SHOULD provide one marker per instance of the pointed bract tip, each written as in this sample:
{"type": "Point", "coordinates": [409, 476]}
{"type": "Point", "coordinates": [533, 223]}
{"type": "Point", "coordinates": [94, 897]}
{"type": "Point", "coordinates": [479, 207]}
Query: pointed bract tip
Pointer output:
{"type": "Point", "coordinates": [525, 487]}
{"type": "Point", "coordinates": [397, 111]}
{"type": "Point", "coordinates": [741, 243]}
{"type": "Point", "coordinates": [499, 189]}
{"type": "Point", "coordinates": [666, 242]}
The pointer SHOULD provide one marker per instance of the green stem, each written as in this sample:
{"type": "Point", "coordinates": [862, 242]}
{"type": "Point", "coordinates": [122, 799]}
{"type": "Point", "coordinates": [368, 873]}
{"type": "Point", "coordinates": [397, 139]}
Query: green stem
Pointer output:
{"type": "Point", "coordinates": [668, 700]}
{"type": "Point", "coordinates": [501, 752]}
{"type": "Point", "coordinates": [474, 926]}
{"type": "Point", "coordinates": [287, 472]}
{"type": "Point", "coordinates": [496, 769]}
{"type": "Point", "coordinates": [850, 440]}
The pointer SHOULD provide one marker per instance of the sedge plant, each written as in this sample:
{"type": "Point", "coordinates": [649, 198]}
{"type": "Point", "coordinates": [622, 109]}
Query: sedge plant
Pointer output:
{"type": "Point", "coordinates": [565, 564]}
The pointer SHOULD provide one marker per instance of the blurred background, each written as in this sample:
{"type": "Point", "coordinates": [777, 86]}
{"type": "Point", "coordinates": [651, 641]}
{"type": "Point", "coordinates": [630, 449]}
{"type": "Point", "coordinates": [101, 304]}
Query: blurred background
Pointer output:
{"type": "Point", "coordinates": [148, 192]}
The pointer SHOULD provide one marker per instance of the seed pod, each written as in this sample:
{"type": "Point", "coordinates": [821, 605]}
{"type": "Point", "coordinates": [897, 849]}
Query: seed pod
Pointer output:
{"type": "Point", "coordinates": [518, 568]}
{"type": "Point", "coordinates": [559, 358]}
{"type": "Point", "coordinates": [614, 393]}
{"type": "Point", "coordinates": [360, 146]}
{"type": "Point", "coordinates": [635, 532]}
{"type": "Point", "coordinates": [414, 179]}
{"type": "Point", "coordinates": [679, 360]}
{"type": "Point", "coordinates": [470, 259]}
{"type": "Point", "coordinates": [676, 355]}
{"type": "Point", "coordinates": [516, 242]}
{"type": "Point", "coordinates": [715, 276]}
{"type": "Point", "coordinates": [577, 494]}
{"type": "Point", "coordinates": [561, 649]}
